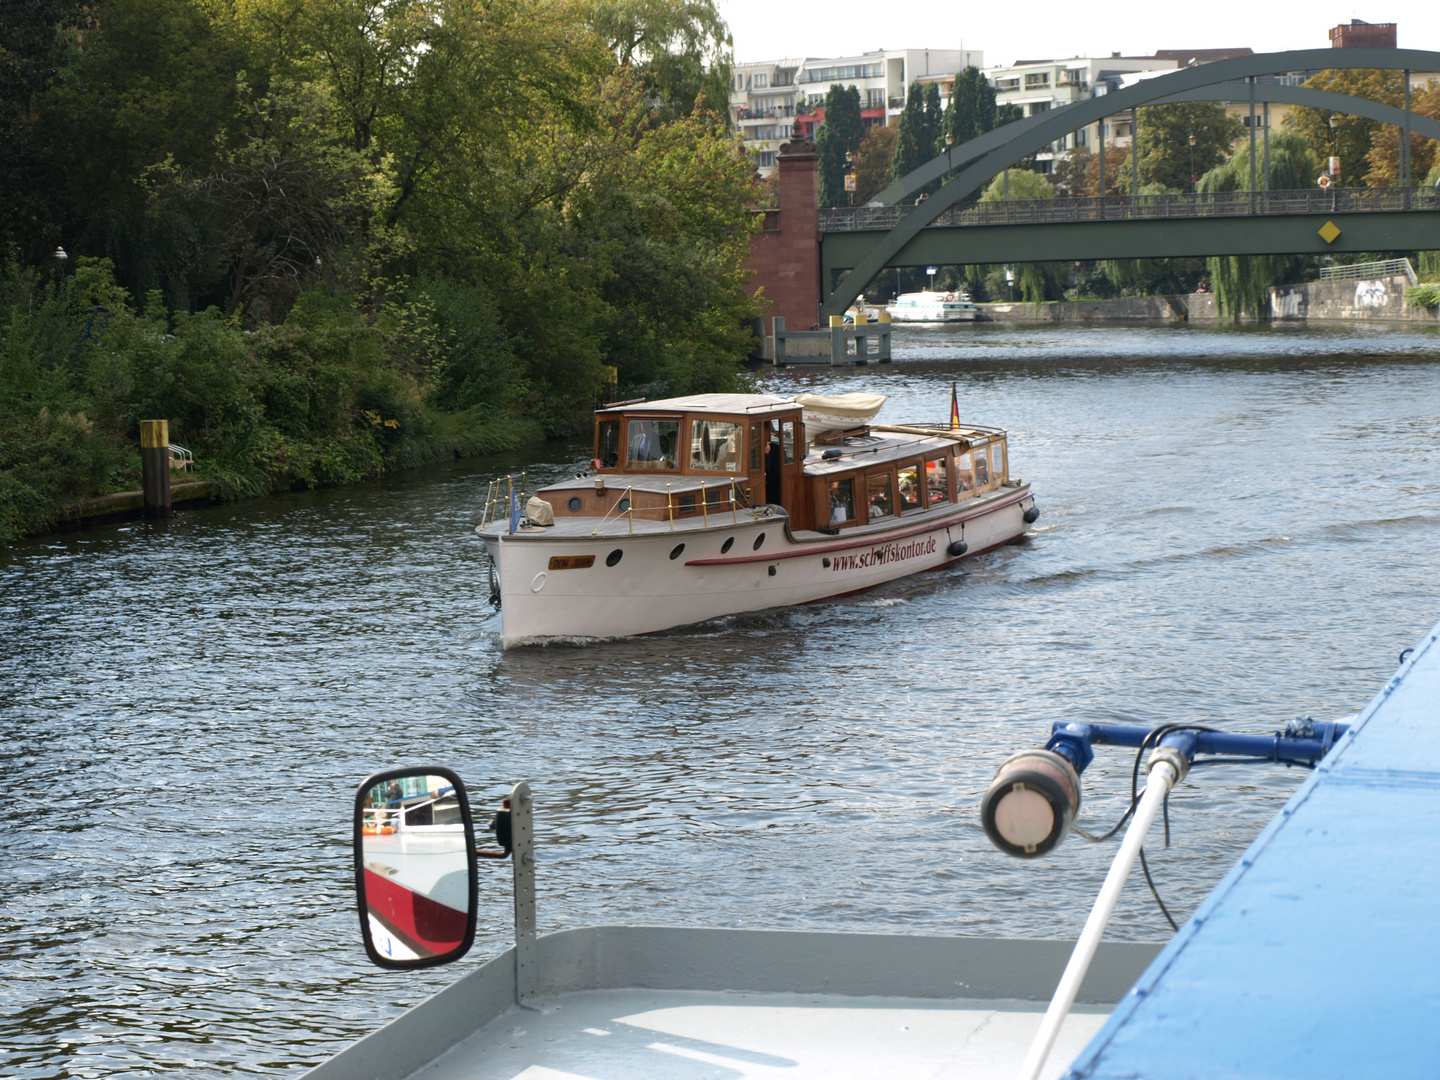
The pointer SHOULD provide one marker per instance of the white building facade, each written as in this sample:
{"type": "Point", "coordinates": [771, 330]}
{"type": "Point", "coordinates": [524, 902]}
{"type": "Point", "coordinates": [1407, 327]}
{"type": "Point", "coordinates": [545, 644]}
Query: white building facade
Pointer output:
{"type": "Point", "coordinates": [773, 101]}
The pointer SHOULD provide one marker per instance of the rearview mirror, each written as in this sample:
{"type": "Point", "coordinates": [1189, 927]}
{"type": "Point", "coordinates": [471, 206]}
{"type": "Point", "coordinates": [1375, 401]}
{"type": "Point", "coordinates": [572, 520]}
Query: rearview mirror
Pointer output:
{"type": "Point", "coordinates": [415, 867]}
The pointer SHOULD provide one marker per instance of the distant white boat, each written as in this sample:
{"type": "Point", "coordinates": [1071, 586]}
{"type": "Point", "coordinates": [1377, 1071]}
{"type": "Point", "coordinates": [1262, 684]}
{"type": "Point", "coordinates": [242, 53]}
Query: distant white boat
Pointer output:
{"type": "Point", "coordinates": [933, 307]}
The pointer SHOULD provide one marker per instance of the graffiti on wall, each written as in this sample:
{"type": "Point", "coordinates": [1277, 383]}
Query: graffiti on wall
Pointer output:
{"type": "Point", "coordinates": [1371, 294]}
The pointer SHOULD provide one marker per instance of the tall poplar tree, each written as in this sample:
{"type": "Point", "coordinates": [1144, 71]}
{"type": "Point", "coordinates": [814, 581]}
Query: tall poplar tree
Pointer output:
{"type": "Point", "coordinates": [842, 133]}
{"type": "Point", "coordinates": [971, 111]}
{"type": "Point", "coordinates": [934, 117]}
{"type": "Point", "coordinates": [911, 145]}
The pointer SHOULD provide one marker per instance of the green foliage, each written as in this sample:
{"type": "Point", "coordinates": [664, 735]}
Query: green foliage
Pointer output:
{"type": "Point", "coordinates": [1293, 166]}
{"type": "Point", "coordinates": [914, 141]}
{"type": "Point", "coordinates": [840, 134]}
{"type": "Point", "coordinates": [680, 47]}
{"type": "Point", "coordinates": [1423, 295]}
{"type": "Point", "coordinates": [872, 163]}
{"type": "Point", "coordinates": [1352, 136]}
{"type": "Point", "coordinates": [1023, 184]}
{"type": "Point", "coordinates": [1242, 282]}
{"type": "Point", "coordinates": [971, 111]}
{"type": "Point", "coordinates": [1149, 277]}
{"type": "Point", "coordinates": [1164, 143]}
{"type": "Point", "coordinates": [344, 237]}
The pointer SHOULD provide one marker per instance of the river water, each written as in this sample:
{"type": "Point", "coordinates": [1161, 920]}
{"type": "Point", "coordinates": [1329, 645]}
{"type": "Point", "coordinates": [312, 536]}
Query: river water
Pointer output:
{"type": "Point", "coordinates": [1239, 527]}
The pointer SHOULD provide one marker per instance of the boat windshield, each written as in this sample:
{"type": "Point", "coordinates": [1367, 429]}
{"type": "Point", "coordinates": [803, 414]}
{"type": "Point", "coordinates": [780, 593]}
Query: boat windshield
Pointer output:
{"type": "Point", "coordinates": [650, 444]}
{"type": "Point", "coordinates": [715, 446]}
{"type": "Point", "coordinates": [880, 496]}
{"type": "Point", "coordinates": [937, 481]}
{"type": "Point", "coordinates": [842, 501]}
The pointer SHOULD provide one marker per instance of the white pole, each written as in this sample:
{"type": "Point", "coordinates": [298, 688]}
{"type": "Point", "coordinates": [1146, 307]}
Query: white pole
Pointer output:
{"type": "Point", "coordinates": [1161, 779]}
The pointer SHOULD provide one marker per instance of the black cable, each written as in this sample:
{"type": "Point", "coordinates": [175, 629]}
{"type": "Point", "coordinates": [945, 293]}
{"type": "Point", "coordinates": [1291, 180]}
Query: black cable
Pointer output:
{"type": "Point", "coordinates": [1154, 892]}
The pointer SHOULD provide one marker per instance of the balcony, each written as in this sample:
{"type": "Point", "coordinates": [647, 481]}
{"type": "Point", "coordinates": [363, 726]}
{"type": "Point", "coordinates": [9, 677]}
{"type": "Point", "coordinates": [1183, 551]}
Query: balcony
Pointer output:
{"type": "Point", "coordinates": [779, 112]}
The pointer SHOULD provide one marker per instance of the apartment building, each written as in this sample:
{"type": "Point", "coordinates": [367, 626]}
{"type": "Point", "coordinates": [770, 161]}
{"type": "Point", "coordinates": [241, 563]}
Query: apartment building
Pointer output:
{"type": "Point", "coordinates": [1039, 86]}
{"type": "Point", "coordinates": [776, 100]}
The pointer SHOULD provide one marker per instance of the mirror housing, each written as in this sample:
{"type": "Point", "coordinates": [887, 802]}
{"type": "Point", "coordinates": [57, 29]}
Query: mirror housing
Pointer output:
{"type": "Point", "coordinates": [414, 843]}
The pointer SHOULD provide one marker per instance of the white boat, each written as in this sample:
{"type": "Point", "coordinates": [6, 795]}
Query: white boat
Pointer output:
{"type": "Point", "coordinates": [933, 307]}
{"type": "Point", "coordinates": [716, 504]}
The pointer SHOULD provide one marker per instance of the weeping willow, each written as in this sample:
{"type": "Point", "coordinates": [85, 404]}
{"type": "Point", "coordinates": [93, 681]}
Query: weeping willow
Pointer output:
{"type": "Point", "coordinates": [1242, 283]}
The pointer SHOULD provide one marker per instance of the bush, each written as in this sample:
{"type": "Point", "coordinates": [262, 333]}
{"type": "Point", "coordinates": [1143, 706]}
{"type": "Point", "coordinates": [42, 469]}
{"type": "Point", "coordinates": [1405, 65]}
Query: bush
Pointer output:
{"type": "Point", "coordinates": [1423, 295]}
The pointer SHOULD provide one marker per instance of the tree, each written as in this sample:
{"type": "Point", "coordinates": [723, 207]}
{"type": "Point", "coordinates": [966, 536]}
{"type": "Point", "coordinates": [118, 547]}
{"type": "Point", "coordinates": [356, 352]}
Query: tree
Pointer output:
{"type": "Point", "coordinates": [682, 48]}
{"type": "Point", "coordinates": [841, 133]}
{"type": "Point", "coordinates": [1384, 154]}
{"type": "Point", "coordinates": [971, 111]}
{"type": "Point", "coordinates": [1354, 136]}
{"type": "Point", "coordinates": [1037, 281]}
{"type": "Point", "coordinates": [1070, 171]}
{"type": "Point", "coordinates": [934, 116]}
{"type": "Point", "coordinates": [1023, 185]}
{"type": "Point", "coordinates": [872, 163]}
{"type": "Point", "coordinates": [910, 140]}
{"type": "Point", "coordinates": [1293, 166]}
{"type": "Point", "coordinates": [1164, 142]}
{"type": "Point", "coordinates": [1008, 114]}
{"type": "Point", "coordinates": [1117, 161]}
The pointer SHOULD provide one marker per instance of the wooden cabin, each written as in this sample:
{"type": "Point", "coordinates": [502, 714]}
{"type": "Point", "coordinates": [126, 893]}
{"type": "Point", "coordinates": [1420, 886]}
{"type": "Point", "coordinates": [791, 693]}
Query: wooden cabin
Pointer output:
{"type": "Point", "coordinates": [707, 454]}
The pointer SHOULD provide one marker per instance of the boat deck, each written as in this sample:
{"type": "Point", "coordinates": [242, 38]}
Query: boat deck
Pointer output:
{"type": "Point", "coordinates": [686, 1035]}
{"type": "Point", "coordinates": [682, 1003]}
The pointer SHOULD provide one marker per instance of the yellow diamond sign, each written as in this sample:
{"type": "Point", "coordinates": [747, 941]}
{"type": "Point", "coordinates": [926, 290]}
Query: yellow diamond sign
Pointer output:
{"type": "Point", "coordinates": [1329, 231]}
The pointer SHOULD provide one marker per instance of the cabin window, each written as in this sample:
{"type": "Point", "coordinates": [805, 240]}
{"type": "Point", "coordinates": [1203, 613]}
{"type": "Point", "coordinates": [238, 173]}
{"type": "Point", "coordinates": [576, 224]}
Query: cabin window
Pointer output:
{"type": "Point", "coordinates": [651, 444]}
{"type": "Point", "coordinates": [716, 496]}
{"type": "Point", "coordinates": [714, 446]}
{"type": "Point", "coordinates": [964, 476]}
{"type": "Point", "coordinates": [756, 446]}
{"type": "Point", "coordinates": [687, 503]}
{"type": "Point", "coordinates": [997, 461]}
{"type": "Point", "coordinates": [937, 482]}
{"type": "Point", "coordinates": [880, 495]}
{"type": "Point", "coordinates": [908, 482]}
{"type": "Point", "coordinates": [607, 444]}
{"type": "Point", "coordinates": [982, 467]}
{"type": "Point", "coordinates": [787, 441]}
{"type": "Point", "coordinates": [842, 501]}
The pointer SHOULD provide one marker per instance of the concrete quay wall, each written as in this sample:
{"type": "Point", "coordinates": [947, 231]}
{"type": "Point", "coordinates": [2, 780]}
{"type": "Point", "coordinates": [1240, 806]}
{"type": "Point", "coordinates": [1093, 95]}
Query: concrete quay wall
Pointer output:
{"type": "Point", "coordinates": [1356, 300]}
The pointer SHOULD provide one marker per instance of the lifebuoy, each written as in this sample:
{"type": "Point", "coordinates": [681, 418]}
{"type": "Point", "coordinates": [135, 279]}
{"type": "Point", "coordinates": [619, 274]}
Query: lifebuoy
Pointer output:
{"type": "Point", "coordinates": [949, 296]}
{"type": "Point", "coordinates": [378, 830]}
{"type": "Point", "coordinates": [1323, 182]}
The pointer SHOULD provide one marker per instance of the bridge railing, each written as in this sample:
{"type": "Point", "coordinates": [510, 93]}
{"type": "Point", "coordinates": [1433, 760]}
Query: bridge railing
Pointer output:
{"type": "Point", "coordinates": [1142, 207]}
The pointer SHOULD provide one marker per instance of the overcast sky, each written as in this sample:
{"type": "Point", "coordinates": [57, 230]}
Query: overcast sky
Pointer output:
{"type": "Point", "coordinates": [1044, 29]}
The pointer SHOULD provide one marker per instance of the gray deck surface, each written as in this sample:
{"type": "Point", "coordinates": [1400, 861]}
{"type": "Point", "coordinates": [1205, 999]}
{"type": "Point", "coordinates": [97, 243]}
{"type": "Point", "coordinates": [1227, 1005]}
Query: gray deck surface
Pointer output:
{"type": "Point", "coordinates": [728, 1035]}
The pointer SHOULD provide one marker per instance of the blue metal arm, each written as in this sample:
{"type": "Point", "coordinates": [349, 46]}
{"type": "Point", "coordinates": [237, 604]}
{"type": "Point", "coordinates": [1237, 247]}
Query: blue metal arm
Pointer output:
{"type": "Point", "coordinates": [1303, 742]}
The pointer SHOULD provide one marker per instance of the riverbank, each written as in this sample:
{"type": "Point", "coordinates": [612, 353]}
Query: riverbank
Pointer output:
{"type": "Point", "coordinates": [1372, 300]}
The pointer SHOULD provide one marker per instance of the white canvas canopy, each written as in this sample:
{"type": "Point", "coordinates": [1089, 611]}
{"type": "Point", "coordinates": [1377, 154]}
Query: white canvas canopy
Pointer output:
{"type": "Point", "coordinates": [837, 412]}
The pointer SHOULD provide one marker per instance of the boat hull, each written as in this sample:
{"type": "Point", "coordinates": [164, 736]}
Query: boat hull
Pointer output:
{"type": "Point", "coordinates": [724, 568]}
{"type": "Point", "coordinates": [923, 316]}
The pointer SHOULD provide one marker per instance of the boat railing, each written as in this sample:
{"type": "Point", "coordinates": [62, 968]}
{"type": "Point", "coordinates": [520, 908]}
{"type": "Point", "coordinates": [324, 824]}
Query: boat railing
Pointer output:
{"type": "Point", "coordinates": [625, 507]}
{"type": "Point", "coordinates": [394, 816]}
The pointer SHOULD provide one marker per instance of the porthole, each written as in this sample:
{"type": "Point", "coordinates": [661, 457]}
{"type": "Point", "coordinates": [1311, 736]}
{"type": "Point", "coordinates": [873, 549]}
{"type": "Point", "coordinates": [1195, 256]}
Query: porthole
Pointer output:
{"type": "Point", "coordinates": [624, 505]}
{"type": "Point", "coordinates": [727, 545]}
{"type": "Point", "coordinates": [575, 504]}
{"type": "Point", "coordinates": [772, 569]}
{"type": "Point", "coordinates": [677, 551]}
{"type": "Point", "coordinates": [759, 540]}
{"type": "Point", "coordinates": [614, 557]}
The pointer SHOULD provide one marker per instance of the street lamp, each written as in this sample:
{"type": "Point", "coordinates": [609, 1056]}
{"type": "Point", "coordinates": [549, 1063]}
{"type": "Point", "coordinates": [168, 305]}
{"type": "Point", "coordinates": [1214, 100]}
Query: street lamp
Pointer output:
{"type": "Point", "coordinates": [1193, 177]}
{"type": "Point", "coordinates": [850, 176]}
{"type": "Point", "coordinates": [60, 259]}
{"type": "Point", "coordinates": [1334, 145]}
{"type": "Point", "coordinates": [1010, 280]}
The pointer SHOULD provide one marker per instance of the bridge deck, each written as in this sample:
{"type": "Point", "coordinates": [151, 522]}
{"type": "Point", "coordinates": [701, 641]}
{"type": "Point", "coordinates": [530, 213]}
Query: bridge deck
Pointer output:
{"type": "Point", "coordinates": [1143, 207]}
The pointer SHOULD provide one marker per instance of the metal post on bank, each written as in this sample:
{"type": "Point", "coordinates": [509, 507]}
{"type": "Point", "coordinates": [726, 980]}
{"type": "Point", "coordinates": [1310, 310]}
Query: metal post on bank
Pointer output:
{"type": "Point", "coordinates": [155, 467]}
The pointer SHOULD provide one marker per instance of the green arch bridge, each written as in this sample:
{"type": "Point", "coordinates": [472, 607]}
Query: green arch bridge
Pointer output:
{"type": "Point", "coordinates": [857, 243]}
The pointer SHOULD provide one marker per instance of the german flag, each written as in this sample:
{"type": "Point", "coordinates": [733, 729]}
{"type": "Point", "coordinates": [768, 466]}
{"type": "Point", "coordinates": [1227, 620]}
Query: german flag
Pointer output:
{"type": "Point", "coordinates": [954, 409]}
